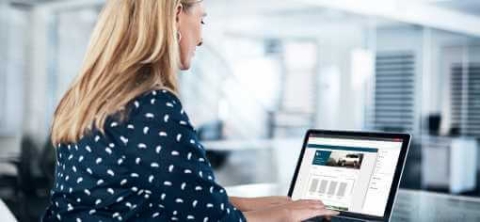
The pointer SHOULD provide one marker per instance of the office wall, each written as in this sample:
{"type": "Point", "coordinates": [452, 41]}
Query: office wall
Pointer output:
{"type": "Point", "coordinates": [340, 105]}
{"type": "Point", "coordinates": [229, 81]}
{"type": "Point", "coordinates": [336, 42]}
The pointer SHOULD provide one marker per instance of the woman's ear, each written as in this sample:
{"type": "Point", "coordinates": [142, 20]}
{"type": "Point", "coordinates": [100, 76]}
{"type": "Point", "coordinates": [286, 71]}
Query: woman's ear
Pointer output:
{"type": "Point", "coordinates": [178, 13]}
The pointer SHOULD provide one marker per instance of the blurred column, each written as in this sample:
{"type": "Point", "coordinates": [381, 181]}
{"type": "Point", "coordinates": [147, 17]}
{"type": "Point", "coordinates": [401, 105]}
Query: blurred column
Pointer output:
{"type": "Point", "coordinates": [427, 80]}
{"type": "Point", "coordinates": [3, 59]}
{"type": "Point", "coordinates": [12, 62]}
{"type": "Point", "coordinates": [36, 77]}
{"type": "Point", "coordinates": [369, 84]}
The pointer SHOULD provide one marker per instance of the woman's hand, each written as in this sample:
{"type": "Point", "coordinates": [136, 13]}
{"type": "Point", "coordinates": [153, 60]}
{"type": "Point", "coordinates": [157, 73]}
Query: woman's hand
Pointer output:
{"type": "Point", "coordinates": [249, 204]}
{"type": "Point", "coordinates": [299, 210]}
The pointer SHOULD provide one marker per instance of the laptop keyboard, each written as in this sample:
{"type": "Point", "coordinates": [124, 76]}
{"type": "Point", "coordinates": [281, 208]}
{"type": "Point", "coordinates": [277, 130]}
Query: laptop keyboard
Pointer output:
{"type": "Point", "coordinates": [341, 219]}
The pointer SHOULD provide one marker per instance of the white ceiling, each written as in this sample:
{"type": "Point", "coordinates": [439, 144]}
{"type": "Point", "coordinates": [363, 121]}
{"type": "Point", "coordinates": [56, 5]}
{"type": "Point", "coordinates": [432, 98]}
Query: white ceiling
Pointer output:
{"type": "Point", "coordinates": [465, 6]}
{"type": "Point", "coordinates": [256, 10]}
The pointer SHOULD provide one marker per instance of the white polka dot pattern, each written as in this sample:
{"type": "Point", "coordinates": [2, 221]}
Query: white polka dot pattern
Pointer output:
{"type": "Point", "coordinates": [149, 167]}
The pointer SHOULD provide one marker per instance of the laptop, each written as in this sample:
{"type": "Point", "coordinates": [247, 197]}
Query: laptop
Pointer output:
{"type": "Point", "coordinates": [355, 173]}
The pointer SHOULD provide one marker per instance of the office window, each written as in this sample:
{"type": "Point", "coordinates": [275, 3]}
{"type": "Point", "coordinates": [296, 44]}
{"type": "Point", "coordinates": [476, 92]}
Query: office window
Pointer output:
{"type": "Point", "coordinates": [394, 91]}
{"type": "Point", "coordinates": [465, 99]}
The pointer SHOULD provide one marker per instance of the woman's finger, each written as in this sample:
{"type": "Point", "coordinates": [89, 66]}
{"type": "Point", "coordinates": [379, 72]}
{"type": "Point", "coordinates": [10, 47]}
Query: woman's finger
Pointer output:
{"type": "Point", "coordinates": [303, 214]}
{"type": "Point", "coordinates": [328, 213]}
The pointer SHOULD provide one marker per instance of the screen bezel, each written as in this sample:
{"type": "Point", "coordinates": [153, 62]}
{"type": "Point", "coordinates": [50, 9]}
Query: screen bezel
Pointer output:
{"type": "Point", "coordinates": [406, 138]}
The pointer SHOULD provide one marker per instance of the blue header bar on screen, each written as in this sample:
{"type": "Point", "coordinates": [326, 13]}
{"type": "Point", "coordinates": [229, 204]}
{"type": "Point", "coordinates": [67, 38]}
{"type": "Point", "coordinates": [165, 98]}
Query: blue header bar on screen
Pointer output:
{"type": "Point", "coordinates": [344, 148]}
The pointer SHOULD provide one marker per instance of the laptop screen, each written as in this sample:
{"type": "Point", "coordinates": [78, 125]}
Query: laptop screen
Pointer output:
{"type": "Point", "coordinates": [348, 173]}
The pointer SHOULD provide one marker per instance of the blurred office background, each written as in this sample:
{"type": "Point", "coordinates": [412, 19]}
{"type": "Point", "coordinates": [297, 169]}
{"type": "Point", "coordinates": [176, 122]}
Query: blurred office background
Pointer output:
{"type": "Point", "coordinates": [268, 71]}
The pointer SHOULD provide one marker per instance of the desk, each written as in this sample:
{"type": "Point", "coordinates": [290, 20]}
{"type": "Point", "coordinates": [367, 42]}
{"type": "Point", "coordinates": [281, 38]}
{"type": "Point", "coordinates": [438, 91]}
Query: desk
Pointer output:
{"type": "Point", "coordinates": [418, 206]}
{"type": "Point", "coordinates": [449, 163]}
{"type": "Point", "coordinates": [5, 213]}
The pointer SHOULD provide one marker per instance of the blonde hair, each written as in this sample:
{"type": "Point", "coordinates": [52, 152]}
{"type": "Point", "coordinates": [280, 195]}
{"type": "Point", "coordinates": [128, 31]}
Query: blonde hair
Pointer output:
{"type": "Point", "coordinates": [133, 49]}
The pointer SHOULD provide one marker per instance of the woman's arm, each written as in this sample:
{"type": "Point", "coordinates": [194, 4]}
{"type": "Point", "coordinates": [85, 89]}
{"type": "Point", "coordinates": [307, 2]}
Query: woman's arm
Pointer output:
{"type": "Point", "coordinates": [299, 210]}
{"type": "Point", "coordinates": [259, 203]}
{"type": "Point", "coordinates": [170, 165]}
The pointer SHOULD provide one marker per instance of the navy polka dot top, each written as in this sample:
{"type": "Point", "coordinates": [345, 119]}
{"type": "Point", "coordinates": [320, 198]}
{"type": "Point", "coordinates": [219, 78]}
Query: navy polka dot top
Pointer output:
{"type": "Point", "coordinates": [150, 167]}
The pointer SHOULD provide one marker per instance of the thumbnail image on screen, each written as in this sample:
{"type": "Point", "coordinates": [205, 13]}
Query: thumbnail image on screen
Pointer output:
{"type": "Point", "coordinates": [343, 159]}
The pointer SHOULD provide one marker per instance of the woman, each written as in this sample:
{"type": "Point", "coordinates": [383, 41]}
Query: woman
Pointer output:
{"type": "Point", "coordinates": [126, 148]}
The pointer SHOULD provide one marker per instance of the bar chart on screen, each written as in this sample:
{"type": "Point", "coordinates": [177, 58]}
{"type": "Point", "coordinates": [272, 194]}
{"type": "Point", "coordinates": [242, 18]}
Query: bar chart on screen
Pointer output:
{"type": "Point", "coordinates": [332, 191]}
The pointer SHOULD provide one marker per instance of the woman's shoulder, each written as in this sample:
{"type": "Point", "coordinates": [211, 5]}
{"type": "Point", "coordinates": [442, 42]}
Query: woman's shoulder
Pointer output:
{"type": "Point", "coordinates": [156, 98]}
{"type": "Point", "coordinates": [157, 105]}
